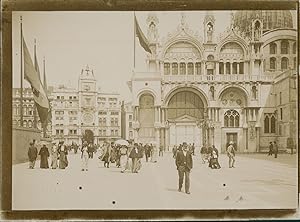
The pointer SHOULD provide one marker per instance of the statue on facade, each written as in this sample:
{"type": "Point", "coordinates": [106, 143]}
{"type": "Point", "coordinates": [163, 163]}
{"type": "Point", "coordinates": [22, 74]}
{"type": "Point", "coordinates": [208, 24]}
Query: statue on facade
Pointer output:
{"type": "Point", "coordinates": [209, 32]}
{"type": "Point", "coordinates": [257, 31]}
{"type": "Point", "coordinates": [152, 32]}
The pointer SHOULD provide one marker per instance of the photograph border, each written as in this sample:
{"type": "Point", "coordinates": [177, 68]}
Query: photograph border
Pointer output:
{"type": "Point", "coordinates": [9, 6]}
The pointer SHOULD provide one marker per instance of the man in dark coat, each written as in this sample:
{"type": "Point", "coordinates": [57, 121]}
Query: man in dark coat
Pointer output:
{"type": "Point", "coordinates": [275, 147]}
{"type": "Point", "coordinates": [32, 155]}
{"type": "Point", "coordinates": [134, 155]}
{"type": "Point", "coordinates": [184, 163]}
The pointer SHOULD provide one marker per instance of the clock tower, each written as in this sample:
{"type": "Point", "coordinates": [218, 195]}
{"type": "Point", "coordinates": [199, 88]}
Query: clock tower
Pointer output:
{"type": "Point", "coordinates": [87, 101]}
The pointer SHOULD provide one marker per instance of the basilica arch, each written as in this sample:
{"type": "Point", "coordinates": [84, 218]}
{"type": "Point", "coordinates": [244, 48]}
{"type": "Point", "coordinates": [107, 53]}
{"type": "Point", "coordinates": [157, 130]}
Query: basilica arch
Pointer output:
{"type": "Point", "coordinates": [234, 103]}
{"type": "Point", "coordinates": [185, 110]}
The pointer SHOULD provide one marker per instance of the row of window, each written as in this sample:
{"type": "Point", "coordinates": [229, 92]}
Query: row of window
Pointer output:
{"type": "Point", "coordinates": [284, 47]}
{"type": "Point", "coordinates": [189, 68]}
{"type": "Point", "coordinates": [284, 63]}
{"type": "Point", "coordinates": [105, 113]}
{"type": "Point", "coordinates": [112, 133]}
{"type": "Point", "coordinates": [113, 122]}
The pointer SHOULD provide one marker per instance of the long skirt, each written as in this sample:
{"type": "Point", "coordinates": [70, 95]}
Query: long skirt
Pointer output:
{"type": "Point", "coordinates": [44, 162]}
{"type": "Point", "coordinates": [54, 162]}
{"type": "Point", "coordinates": [123, 162]}
{"type": "Point", "coordinates": [63, 162]}
{"type": "Point", "coordinates": [85, 161]}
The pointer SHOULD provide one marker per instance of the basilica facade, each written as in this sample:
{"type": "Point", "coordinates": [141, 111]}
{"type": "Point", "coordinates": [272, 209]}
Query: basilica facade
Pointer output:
{"type": "Point", "coordinates": [239, 86]}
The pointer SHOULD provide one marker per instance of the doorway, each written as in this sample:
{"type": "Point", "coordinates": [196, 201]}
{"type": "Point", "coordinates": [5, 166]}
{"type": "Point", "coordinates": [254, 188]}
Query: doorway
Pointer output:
{"type": "Point", "coordinates": [232, 137]}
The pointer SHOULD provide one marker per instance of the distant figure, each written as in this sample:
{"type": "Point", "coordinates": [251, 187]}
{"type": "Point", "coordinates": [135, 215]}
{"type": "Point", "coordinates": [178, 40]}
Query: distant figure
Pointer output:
{"type": "Point", "coordinates": [123, 157]}
{"type": "Point", "coordinates": [184, 163]}
{"type": "Point", "coordinates": [231, 154]}
{"type": "Point", "coordinates": [174, 151]}
{"type": "Point", "coordinates": [44, 153]}
{"type": "Point", "coordinates": [134, 155]}
{"type": "Point", "coordinates": [54, 156]}
{"type": "Point", "coordinates": [275, 147]}
{"type": "Point", "coordinates": [270, 149]}
{"type": "Point", "coordinates": [193, 149]}
{"type": "Point", "coordinates": [204, 154]}
{"type": "Point", "coordinates": [85, 156]}
{"type": "Point", "coordinates": [106, 154]}
{"type": "Point", "coordinates": [63, 152]}
{"type": "Point", "coordinates": [32, 155]}
{"type": "Point", "coordinates": [214, 158]}
{"type": "Point", "coordinates": [147, 149]}
{"type": "Point", "coordinates": [161, 150]}
{"type": "Point", "coordinates": [91, 151]}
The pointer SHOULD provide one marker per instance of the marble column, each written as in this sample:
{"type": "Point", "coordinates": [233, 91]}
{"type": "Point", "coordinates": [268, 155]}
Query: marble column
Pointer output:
{"type": "Point", "coordinates": [238, 68]}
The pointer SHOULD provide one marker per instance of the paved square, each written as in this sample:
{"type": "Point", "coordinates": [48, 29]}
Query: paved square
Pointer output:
{"type": "Point", "coordinates": [257, 181]}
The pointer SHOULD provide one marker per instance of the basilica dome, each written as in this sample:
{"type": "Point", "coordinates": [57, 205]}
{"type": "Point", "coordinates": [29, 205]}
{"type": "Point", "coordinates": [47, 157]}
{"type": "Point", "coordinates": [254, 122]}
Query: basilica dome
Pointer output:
{"type": "Point", "coordinates": [271, 19]}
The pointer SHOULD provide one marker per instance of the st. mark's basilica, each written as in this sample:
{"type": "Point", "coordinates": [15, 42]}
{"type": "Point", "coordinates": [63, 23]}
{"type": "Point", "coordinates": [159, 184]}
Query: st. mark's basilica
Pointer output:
{"type": "Point", "coordinates": [238, 86]}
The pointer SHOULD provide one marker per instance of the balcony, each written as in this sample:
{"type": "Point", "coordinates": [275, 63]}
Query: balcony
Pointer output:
{"type": "Point", "coordinates": [218, 78]}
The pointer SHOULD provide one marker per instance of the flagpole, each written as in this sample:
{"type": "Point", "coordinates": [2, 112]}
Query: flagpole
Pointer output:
{"type": "Point", "coordinates": [34, 107]}
{"type": "Point", "coordinates": [45, 88]}
{"type": "Point", "coordinates": [134, 40]}
{"type": "Point", "coordinates": [21, 83]}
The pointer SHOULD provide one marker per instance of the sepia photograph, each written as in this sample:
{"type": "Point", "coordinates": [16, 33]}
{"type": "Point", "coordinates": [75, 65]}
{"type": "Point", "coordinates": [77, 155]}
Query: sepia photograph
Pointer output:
{"type": "Point", "coordinates": [154, 110]}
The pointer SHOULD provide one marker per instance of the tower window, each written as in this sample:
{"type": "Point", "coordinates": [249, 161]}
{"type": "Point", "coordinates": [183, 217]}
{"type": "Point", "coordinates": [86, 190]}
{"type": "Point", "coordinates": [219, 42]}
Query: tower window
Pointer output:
{"type": "Point", "coordinates": [284, 63]}
{"type": "Point", "coordinates": [167, 68]}
{"type": "Point", "coordinates": [190, 68]}
{"type": "Point", "coordinates": [284, 47]}
{"type": "Point", "coordinates": [182, 68]}
{"type": "Point", "coordinates": [198, 68]}
{"type": "Point", "coordinates": [273, 48]}
{"type": "Point", "coordinates": [231, 118]}
{"type": "Point", "coordinates": [174, 68]}
{"type": "Point", "coordinates": [272, 63]}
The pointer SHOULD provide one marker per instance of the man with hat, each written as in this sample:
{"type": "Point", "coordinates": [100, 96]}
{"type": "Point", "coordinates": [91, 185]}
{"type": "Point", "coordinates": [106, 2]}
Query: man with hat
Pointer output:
{"type": "Point", "coordinates": [32, 155]}
{"type": "Point", "coordinates": [134, 155]}
{"type": "Point", "coordinates": [184, 163]}
{"type": "Point", "coordinates": [231, 154]}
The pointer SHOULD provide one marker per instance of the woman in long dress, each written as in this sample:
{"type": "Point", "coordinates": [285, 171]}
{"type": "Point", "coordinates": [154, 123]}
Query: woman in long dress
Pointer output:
{"type": "Point", "coordinates": [44, 153]}
{"type": "Point", "coordinates": [63, 152]}
{"type": "Point", "coordinates": [54, 157]}
{"type": "Point", "coordinates": [85, 156]}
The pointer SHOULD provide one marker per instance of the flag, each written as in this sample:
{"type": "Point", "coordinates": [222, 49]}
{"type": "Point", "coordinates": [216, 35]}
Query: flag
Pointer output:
{"type": "Point", "coordinates": [143, 40]}
{"type": "Point", "coordinates": [33, 77]}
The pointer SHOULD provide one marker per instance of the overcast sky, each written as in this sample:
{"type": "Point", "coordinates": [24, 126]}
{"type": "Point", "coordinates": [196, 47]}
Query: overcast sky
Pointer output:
{"type": "Point", "coordinates": [103, 40]}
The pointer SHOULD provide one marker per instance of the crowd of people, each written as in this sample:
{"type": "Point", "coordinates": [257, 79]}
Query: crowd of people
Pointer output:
{"type": "Point", "coordinates": [127, 157]}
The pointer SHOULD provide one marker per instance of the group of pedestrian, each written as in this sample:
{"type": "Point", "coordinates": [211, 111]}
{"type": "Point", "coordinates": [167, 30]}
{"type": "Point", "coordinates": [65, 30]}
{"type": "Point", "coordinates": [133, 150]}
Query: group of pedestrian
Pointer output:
{"type": "Point", "coordinates": [58, 155]}
{"type": "Point", "coordinates": [273, 148]}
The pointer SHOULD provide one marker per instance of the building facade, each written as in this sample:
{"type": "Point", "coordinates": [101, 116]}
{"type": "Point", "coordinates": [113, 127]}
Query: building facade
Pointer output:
{"type": "Point", "coordinates": [214, 90]}
{"type": "Point", "coordinates": [77, 112]}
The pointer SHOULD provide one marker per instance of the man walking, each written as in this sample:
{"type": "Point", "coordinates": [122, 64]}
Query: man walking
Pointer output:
{"type": "Point", "coordinates": [231, 154]}
{"type": "Point", "coordinates": [275, 147]}
{"type": "Point", "coordinates": [134, 155]}
{"type": "Point", "coordinates": [184, 163]}
{"type": "Point", "coordinates": [32, 155]}
{"type": "Point", "coordinates": [270, 149]}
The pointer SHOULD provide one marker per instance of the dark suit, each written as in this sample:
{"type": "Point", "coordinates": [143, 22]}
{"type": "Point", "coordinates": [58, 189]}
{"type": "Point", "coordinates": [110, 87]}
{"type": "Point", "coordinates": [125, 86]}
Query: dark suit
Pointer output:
{"type": "Point", "coordinates": [184, 165]}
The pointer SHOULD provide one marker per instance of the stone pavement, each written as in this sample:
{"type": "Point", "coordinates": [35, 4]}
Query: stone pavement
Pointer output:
{"type": "Point", "coordinates": [254, 183]}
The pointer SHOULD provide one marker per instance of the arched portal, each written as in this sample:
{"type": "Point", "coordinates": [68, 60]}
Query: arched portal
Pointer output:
{"type": "Point", "coordinates": [185, 112]}
{"type": "Point", "coordinates": [88, 136]}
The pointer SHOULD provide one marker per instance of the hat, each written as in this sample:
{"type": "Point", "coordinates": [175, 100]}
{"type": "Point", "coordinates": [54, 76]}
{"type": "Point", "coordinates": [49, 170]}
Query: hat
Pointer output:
{"type": "Point", "coordinates": [136, 144]}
